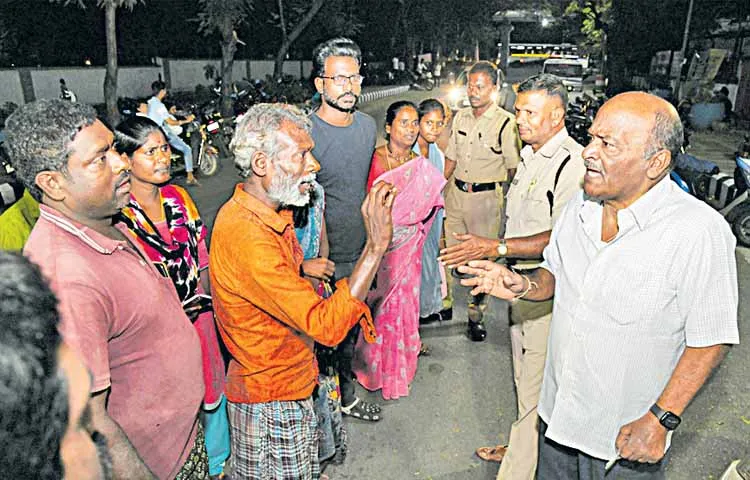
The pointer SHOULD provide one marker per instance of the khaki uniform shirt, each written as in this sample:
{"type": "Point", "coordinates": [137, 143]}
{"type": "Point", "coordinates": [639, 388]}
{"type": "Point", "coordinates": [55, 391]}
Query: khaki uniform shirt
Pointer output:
{"type": "Point", "coordinates": [480, 156]}
{"type": "Point", "coordinates": [528, 209]}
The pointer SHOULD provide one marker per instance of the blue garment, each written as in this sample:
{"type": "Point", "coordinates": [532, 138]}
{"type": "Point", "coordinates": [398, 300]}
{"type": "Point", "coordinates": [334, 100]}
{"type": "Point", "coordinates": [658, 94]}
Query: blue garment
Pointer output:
{"type": "Point", "coordinates": [308, 236]}
{"type": "Point", "coordinates": [430, 294]}
{"type": "Point", "coordinates": [331, 431]}
{"type": "Point", "coordinates": [216, 426]}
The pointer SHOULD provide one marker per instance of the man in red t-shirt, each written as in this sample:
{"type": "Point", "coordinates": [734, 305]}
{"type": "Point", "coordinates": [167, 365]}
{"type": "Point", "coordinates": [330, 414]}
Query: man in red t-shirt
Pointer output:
{"type": "Point", "coordinates": [117, 310]}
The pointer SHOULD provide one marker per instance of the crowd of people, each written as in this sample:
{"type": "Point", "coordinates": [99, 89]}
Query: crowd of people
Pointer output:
{"type": "Point", "coordinates": [149, 357]}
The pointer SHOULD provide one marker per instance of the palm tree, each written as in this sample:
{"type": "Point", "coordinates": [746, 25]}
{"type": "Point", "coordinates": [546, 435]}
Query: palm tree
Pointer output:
{"type": "Point", "coordinates": [110, 20]}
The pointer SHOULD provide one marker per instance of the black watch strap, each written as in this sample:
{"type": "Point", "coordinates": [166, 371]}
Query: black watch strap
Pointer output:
{"type": "Point", "coordinates": [668, 420]}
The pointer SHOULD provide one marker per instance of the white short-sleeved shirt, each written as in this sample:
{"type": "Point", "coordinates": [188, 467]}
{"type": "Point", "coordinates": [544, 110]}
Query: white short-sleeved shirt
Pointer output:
{"type": "Point", "coordinates": [157, 111]}
{"type": "Point", "coordinates": [624, 311]}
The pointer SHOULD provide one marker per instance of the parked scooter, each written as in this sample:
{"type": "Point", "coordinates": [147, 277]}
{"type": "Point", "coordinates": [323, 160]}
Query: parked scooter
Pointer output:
{"type": "Point", "coordinates": [729, 194]}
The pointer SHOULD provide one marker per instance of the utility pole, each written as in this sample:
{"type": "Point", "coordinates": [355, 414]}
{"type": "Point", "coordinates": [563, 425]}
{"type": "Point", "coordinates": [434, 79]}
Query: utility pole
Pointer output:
{"type": "Point", "coordinates": [685, 36]}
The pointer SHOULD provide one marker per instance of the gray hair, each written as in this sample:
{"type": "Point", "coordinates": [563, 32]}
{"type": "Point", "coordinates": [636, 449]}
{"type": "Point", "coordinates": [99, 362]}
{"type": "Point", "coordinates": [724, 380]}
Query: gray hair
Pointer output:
{"type": "Point", "coordinates": [666, 134]}
{"type": "Point", "coordinates": [258, 132]}
{"type": "Point", "coordinates": [550, 84]}
{"type": "Point", "coordinates": [39, 135]}
{"type": "Point", "coordinates": [335, 47]}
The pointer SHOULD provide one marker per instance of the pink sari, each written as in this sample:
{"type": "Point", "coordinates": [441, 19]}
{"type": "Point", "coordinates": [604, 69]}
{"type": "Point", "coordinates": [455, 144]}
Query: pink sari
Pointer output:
{"type": "Point", "coordinates": [390, 363]}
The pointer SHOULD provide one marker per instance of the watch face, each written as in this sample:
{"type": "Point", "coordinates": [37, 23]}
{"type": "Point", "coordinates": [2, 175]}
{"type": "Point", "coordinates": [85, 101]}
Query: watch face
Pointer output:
{"type": "Point", "coordinates": [670, 421]}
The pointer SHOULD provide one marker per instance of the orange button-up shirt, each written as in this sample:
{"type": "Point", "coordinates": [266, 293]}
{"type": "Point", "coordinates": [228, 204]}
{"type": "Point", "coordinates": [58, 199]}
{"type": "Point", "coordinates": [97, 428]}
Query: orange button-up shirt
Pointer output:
{"type": "Point", "coordinates": [268, 315]}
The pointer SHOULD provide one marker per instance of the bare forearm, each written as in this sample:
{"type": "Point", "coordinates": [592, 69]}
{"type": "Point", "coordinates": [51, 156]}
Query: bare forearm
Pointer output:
{"type": "Point", "coordinates": [542, 285]}
{"type": "Point", "coordinates": [692, 371]}
{"type": "Point", "coordinates": [364, 272]}
{"type": "Point", "coordinates": [126, 463]}
{"type": "Point", "coordinates": [450, 166]}
{"type": "Point", "coordinates": [528, 247]}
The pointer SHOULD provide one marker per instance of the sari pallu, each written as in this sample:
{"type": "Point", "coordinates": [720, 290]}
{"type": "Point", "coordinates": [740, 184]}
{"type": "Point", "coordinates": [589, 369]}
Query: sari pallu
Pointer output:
{"type": "Point", "coordinates": [390, 363]}
{"type": "Point", "coordinates": [177, 246]}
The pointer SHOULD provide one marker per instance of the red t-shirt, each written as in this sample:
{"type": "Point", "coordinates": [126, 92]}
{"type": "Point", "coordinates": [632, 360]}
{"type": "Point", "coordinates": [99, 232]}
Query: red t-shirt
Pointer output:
{"type": "Point", "coordinates": [124, 318]}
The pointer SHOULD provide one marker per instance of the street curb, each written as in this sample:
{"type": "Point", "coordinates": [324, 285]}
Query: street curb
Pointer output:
{"type": "Point", "coordinates": [385, 92]}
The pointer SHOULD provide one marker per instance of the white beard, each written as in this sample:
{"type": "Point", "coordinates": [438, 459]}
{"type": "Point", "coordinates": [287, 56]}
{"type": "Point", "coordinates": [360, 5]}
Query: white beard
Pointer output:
{"type": "Point", "coordinates": [286, 192]}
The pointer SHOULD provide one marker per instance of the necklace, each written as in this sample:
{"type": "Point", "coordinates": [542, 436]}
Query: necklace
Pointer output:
{"type": "Point", "coordinates": [399, 160]}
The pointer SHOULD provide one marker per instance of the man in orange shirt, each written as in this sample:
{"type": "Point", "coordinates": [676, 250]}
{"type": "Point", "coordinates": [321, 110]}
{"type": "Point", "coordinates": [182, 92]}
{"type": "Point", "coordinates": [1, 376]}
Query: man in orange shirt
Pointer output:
{"type": "Point", "coordinates": [268, 315]}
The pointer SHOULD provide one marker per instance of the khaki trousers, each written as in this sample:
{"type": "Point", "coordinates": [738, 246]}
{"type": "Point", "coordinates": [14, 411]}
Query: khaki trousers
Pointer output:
{"type": "Point", "coordinates": [479, 213]}
{"type": "Point", "coordinates": [529, 333]}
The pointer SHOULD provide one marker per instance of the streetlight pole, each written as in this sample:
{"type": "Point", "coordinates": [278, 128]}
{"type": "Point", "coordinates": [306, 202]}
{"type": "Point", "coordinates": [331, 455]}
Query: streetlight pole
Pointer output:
{"type": "Point", "coordinates": [683, 51]}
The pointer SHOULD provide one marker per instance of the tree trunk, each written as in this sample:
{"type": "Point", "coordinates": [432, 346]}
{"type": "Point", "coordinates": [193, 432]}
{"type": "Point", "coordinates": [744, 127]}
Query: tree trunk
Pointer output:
{"type": "Point", "coordinates": [228, 49]}
{"type": "Point", "coordinates": [278, 64]}
{"type": "Point", "coordinates": [110, 78]}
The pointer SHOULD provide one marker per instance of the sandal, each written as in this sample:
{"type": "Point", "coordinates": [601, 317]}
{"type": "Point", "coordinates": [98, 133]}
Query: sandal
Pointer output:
{"type": "Point", "coordinates": [362, 410]}
{"type": "Point", "coordinates": [492, 454]}
{"type": "Point", "coordinates": [424, 351]}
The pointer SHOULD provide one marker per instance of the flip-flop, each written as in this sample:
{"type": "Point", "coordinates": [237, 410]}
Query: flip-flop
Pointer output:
{"type": "Point", "coordinates": [492, 454]}
{"type": "Point", "coordinates": [362, 410]}
{"type": "Point", "coordinates": [424, 351]}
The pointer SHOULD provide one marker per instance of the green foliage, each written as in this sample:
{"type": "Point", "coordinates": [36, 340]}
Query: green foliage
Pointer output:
{"type": "Point", "coordinates": [216, 15]}
{"type": "Point", "coordinates": [595, 17]}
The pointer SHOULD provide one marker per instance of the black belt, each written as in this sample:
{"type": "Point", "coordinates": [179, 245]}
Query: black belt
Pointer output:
{"type": "Point", "coordinates": [475, 187]}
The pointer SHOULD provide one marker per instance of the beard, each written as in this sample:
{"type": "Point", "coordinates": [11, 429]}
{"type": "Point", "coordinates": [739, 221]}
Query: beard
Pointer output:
{"type": "Point", "coordinates": [285, 190]}
{"type": "Point", "coordinates": [333, 102]}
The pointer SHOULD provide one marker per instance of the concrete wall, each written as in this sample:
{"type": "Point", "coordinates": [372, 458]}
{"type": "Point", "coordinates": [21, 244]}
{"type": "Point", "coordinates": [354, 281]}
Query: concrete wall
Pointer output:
{"type": "Point", "coordinates": [88, 82]}
{"type": "Point", "coordinates": [10, 87]}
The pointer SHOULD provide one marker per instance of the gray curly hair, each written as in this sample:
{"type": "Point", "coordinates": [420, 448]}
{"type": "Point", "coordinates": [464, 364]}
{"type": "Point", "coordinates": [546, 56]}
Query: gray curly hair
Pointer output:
{"type": "Point", "coordinates": [39, 134]}
{"type": "Point", "coordinates": [258, 132]}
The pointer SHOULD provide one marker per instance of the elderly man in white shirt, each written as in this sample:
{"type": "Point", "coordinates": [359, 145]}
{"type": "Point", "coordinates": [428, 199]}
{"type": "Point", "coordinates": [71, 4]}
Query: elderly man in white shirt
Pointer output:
{"type": "Point", "coordinates": [645, 286]}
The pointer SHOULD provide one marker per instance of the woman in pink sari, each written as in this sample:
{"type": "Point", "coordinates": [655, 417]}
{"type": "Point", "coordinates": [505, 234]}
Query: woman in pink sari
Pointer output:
{"type": "Point", "coordinates": [390, 363]}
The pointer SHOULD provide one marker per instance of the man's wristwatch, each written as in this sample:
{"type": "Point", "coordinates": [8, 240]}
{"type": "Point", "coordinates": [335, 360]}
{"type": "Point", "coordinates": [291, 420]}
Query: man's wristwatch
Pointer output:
{"type": "Point", "coordinates": [668, 420]}
{"type": "Point", "coordinates": [502, 249]}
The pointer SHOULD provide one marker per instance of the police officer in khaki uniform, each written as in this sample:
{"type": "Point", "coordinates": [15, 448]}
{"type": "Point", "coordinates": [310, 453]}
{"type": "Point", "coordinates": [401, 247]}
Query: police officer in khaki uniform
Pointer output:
{"type": "Point", "coordinates": [482, 154]}
{"type": "Point", "coordinates": [550, 172]}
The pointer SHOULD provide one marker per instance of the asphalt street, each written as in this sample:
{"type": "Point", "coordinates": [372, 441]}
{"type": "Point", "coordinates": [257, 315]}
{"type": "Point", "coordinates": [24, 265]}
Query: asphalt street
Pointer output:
{"type": "Point", "coordinates": [462, 396]}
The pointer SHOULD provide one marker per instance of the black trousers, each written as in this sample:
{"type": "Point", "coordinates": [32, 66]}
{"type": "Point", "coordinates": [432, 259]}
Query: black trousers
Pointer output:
{"type": "Point", "coordinates": [558, 462]}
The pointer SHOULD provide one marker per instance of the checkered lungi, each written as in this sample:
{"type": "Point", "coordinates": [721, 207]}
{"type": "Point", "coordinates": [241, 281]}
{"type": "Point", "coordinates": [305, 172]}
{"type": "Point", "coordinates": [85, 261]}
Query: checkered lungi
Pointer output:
{"type": "Point", "coordinates": [274, 440]}
{"type": "Point", "coordinates": [196, 465]}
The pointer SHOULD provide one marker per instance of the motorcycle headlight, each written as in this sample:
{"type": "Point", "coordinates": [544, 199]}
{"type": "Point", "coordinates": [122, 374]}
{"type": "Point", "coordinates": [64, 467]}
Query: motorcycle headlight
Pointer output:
{"type": "Point", "coordinates": [455, 94]}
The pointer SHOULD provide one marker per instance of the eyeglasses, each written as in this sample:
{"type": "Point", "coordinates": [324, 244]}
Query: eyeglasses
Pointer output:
{"type": "Point", "coordinates": [341, 80]}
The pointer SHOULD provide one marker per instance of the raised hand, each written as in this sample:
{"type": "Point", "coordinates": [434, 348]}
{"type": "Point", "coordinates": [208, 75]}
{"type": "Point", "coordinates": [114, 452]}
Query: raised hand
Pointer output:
{"type": "Point", "coordinates": [376, 211]}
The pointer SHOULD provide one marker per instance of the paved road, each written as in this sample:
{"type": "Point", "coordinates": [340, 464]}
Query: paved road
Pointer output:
{"type": "Point", "coordinates": [462, 396]}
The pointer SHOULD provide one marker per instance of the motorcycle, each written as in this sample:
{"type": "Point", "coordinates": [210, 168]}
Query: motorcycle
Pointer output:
{"type": "Point", "coordinates": [423, 82]}
{"type": "Point", "coordinates": [728, 194]}
{"type": "Point", "coordinates": [580, 116]}
{"type": "Point", "coordinates": [207, 137]}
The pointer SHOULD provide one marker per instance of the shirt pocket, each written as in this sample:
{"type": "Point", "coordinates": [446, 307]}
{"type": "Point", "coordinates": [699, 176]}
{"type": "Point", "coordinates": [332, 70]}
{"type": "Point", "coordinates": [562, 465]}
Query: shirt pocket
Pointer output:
{"type": "Point", "coordinates": [637, 294]}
